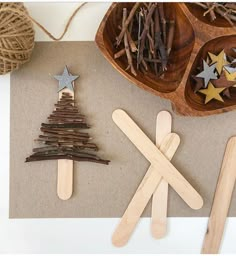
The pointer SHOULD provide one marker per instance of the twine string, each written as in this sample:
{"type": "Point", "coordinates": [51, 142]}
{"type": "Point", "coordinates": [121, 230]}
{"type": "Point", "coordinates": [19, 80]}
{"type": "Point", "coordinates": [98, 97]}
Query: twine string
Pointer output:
{"type": "Point", "coordinates": [66, 27]}
{"type": "Point", "coordinates": [17, 35]}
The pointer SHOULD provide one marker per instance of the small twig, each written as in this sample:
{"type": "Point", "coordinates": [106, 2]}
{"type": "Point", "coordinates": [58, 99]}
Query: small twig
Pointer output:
{"type": "Point", "coordinates": [158, 41]}
{"type": "Point", "coordinates": [145, 31]}
{"type": "Point", "coordinates": [127, 21]}
{"type": "Point", "coordinates": [68, 156]}
{"type": "Point", "coordinates": [210, 10]}
{"type": "Point", "coordinates": [132, 44]}
{"type": "Point", "coordinates": [119, 53]}
{"type": "Point", "coordinates": [126, 43]}
{"type": "Point", "coordinates": [170, 37]}
{"type": "Point", "coordinates": [163, 20]}
{"type": "Point", "coordinates": [139, 37]}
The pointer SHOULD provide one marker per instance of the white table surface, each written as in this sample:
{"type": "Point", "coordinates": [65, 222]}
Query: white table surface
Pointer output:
{"type": "Point", "coordinates": [83, 235]}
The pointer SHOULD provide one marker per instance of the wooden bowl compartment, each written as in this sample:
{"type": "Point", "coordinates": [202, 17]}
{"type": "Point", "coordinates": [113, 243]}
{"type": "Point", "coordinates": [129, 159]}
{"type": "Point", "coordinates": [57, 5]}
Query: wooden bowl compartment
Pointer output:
{"type": "Point", "coordinates": [179, 57]}
{"type": "Point", "coordinates": [194, 37]}
{"type": "Point", "coordinates": [196, 100]}
{"type": "Point", "coordinates": [197, 12]}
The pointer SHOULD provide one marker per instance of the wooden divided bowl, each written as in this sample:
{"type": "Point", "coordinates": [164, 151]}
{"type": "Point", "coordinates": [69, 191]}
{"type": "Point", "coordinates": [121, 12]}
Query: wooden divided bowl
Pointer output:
{"type": "Point", "coordinates": [194, 37]}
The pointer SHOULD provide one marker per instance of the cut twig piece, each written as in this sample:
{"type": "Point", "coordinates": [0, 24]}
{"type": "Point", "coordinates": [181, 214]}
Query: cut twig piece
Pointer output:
{"type": "Point", "coordinates": [145, 31]}
{"type": "Point", "coordinates": [126, 24]}
{"type": "Point", "coordinates": [139, 37]}
{"type": "Point", "coordinates": [119, 54]}
{"type": "Point", "coordinates": [211, 11]}
{"type": "Point", "coordinates": [163, 21]}
{"type": "Point", "coordinates": [158, 41]}
{"type": "Point", "coordinates": [131, 42]}
{"type": "Point", "coordinates": [170, 37]}
{"type": "Point", "coordinates": [126, 43]}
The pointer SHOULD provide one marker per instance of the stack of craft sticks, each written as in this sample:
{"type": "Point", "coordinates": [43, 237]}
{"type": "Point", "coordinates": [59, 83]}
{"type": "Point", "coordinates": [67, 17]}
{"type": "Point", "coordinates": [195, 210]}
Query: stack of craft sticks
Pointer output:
{"type": "Point", "coordinates": [160, 173]}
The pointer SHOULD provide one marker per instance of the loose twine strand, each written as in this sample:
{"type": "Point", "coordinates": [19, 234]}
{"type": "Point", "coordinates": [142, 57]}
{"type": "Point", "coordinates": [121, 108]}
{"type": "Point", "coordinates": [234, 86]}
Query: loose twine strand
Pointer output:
{"type": "Point", "coordinates": [17, 35]}
{"type": "Point", "coordinates": [66, 27]}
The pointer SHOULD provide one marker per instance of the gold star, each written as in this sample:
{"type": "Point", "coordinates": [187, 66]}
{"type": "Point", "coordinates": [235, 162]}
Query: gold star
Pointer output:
{"type": "Point", "coordinates": [230, 76]}
{"type": "Point", "coordinates": [212, 93]}
{"type": "Point", "coordinates": [219, 59]}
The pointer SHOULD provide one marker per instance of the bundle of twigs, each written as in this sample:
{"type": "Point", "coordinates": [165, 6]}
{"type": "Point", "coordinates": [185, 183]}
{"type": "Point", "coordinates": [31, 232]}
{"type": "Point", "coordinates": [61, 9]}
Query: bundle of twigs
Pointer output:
{"type": "Point", "coordinates": [146, 38]}
{"type": "Point", "coordinates": [62, 137]}
{"type": "Point", "coordinates": [225, 10]}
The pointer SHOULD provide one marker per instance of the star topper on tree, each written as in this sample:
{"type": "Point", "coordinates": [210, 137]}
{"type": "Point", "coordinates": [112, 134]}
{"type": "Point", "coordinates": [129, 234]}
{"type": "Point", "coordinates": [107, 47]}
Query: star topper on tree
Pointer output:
{"type": "Point", "coordinates": [62, 138]}
{"type": "Point", "coordinates": [66, 80]}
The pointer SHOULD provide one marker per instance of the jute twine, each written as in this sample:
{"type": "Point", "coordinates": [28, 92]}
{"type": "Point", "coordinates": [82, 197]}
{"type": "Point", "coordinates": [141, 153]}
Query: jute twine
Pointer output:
{"type": "Point", "coordinates": [17, 35]}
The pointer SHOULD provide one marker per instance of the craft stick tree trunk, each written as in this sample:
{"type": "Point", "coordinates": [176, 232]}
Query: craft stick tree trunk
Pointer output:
{"type": "Point", "coordinates": [65, 167]}
{"type": "Point", "coordinates": [63, 139]}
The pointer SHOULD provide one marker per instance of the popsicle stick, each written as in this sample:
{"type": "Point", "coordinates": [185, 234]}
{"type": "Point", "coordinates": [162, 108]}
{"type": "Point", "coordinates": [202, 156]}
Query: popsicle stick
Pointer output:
{"type": "Point", "coordinates": [65, 170]}
{"type": "Point", "coordinates": [157, 159]}
{"type": "Point", "coordinates": [143, 194]}
{"type": "Point", "coordinates": [222, 199]}
{"type": "Point", "coordinates": [65, 179]}
{"type": "Point", "coordinates": [160, 196]}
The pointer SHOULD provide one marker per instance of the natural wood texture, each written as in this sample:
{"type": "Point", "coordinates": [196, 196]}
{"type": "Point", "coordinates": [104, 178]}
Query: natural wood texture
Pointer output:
{"type": "Point", "coordinates": [157, 159]}
{"type": "Point", "coordinates": [143, 194]}
{"type": "Point", "coordinates": [65, 169]}
{"type": "Point", "coordinates": [160, 196]}
{"type": "Point", "coordinates": [222, 199]}
{"type": "Point", "coordinates": [65, 179]}
{"type": "Point", "coordinates": [194, 36]}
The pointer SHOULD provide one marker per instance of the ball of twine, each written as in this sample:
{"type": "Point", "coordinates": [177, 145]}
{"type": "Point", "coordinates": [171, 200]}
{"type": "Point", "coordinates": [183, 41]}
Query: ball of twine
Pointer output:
{"type": "Point", "coordinates": [16, 36]}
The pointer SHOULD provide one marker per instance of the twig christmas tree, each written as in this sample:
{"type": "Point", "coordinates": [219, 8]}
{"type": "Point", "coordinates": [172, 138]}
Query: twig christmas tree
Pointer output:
{"type": "Point", "coordinates": [62, 137]}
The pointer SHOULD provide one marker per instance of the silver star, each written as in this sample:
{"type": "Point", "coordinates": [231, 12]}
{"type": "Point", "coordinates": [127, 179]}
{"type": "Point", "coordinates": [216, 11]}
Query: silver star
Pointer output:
{"type": "Point", "coordinates": [66, 80]}
{"type": "Point", "coordinates": [230, 69]}
{"type": "Point", "coordinates": [208, 73]}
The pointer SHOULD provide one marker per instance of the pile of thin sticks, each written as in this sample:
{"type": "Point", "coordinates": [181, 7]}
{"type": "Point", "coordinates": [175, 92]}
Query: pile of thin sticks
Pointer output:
{"type": "Point", "coordinates": [225, 10]}
{"type": "Point", "coordinates": [146, 38]}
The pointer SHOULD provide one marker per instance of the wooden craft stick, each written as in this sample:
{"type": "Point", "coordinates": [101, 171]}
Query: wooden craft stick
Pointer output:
{"type": "Point", "coordinates": [65, 170]}
{"type": "Point", "coordinates": [160, 196]}
{"type": "Point", "coordinates": [222, 199]}
{"type": "Point", "coordinates": [157, 159]}
{"type": "Point", "coordinates": [143, 195]}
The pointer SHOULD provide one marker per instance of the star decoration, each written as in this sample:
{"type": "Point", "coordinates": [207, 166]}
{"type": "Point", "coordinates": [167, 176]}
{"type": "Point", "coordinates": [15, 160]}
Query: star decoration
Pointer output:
{"type": "Point", "coordinates": [198, 83]}
{"type": "Point", "coordinates": [212, 93]}
{"type": "Point", "coordinates": [230, 76]}
{"type": "Point", "coordinates": [231, 67]}
{"type": "Point", "coordinates": [222, 82]}
{"type": "Point", "coordinates": [208, 73]}
{"type": "Point", "coordinates": [66, 80]}
{"type": "Point", "coordinates": [219, 59]}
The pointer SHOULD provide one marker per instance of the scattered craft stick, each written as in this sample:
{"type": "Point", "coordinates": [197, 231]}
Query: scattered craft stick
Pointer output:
{"type": "Point", "coordinates": [143, 195]}
{"type": "Point", "coordinates": [160, 196]}
{"type": "Point", "coordinates": [160, 167]}
{"type": "Point", "coordinates": [222, 199]}
{"type": "Point", "coordinates": [157, 159]}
